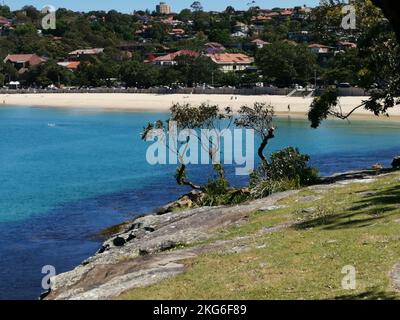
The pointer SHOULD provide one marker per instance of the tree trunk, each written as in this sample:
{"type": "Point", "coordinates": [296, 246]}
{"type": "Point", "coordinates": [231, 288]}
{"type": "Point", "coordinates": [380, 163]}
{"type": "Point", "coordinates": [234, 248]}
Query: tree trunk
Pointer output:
{"type": "Point", "coordinates": [183, 181]}
{"type": "Point", "coordinates": [263, 145]}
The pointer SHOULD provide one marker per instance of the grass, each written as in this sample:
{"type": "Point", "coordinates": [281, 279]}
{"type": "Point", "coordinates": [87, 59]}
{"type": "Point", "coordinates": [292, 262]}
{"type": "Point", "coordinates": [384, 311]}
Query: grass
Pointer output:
{"type": "Point", "coordinates": [357, 224]}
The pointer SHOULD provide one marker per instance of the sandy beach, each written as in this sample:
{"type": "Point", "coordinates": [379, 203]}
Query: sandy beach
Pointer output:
{"type": "Point", "coordinates": [161, 103]}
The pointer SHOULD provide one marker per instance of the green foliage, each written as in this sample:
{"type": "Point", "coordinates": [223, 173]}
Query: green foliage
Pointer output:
{"type": "Point", "coordinates": [216, 193]}
{"type": "Point", "coordinates": [287, 170]}
{"type": "Point", "coordinates": [139, 74]}
{"type": "Point", "coordinates": [323, 106]}
{"type": "Point", "coordinates": [265, 187]}
{"type": "Point", "coordinates": [285, 64]}
{"type": "Point", "coordinates": [290, 164]}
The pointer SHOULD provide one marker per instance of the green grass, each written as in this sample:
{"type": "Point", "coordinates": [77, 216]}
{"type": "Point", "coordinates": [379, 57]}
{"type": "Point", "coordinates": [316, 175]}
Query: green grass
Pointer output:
{"type": "Point", "coordinates": [356, 225]}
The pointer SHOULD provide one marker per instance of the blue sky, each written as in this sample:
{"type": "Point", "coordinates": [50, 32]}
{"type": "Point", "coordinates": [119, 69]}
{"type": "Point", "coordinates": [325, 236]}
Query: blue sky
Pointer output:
{"type": "Point", "coordinates": [131, 5]}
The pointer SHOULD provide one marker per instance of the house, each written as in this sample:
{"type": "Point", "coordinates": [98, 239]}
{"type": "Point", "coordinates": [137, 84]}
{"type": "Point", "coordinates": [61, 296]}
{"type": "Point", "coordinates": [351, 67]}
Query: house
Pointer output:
{"type": "Point", "coordinates": [344, 45]}
{"type": "Point", "coordinates": [259, 44]}
{"type": "Point", "coordinates": [23, 62]}
{"type": "Point", "coordinates": [301, 13]}
{"type": "Point", "coordinates": [239, 34]}
{"type": "Point", "coordinates": [214, 47]}
{"type": "Point", "coordinates": [70, 65]}
{"type": "Point", "coordinates": [324, 53]}
{"type": "Point", "coordinates": [4, 22]}
{"type": "Point", "coordinates": [229, 62]}
{"type": "Point", "coordinates": [170, 59]}
{"type": "Point", "coordinates": [241, 27]}
{"type": "Point", "coordinates": [301, 36]}
{"type": "Point", "coordinates": [177, 32]}
{"type": "Point", "coordinates": [319, 48]}
{"type": "Point", "coordinates": [285, 14]}
{"type": "Point", "coordinates": [86, 52]}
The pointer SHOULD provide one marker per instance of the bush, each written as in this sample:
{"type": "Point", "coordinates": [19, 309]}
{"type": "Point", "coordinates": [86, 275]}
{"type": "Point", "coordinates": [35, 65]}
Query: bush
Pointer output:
{"type": "Point", "coordinates": [218, 193]}
{"type": "Point", "coordinates": [265, 187]}
{"type": "Point", "coordinates": [290, 164]}
{"type": "Point", "coordinates": [287, 170]}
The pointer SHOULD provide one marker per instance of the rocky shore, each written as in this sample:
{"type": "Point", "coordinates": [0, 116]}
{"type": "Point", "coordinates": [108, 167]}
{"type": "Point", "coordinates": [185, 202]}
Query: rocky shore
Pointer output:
{"type": "Point", "coordinates": [153, 247]}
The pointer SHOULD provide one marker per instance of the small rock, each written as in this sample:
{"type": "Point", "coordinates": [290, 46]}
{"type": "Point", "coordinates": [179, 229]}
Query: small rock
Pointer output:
{"type": "Point", "coordinates": [396, 163]}
{"type": "Point", "coordinates": [149, 229]}
{"type": "Point", "coordinates": [271, 208]}
{"type": "Point", "coordinates": [130, 237]}
{"type": "Point", "coordinates": [104, 248]}
{"type": "Point", "coordinates": [143, 252]}
{"type": "Point", "coordinates": [167, 245]}
{"type": "Point", "coordinates": [309, 210]}
{"type": "Point", "coordinates": [119, 242]}
{"type": "Point", "coordinates": [136, 226]}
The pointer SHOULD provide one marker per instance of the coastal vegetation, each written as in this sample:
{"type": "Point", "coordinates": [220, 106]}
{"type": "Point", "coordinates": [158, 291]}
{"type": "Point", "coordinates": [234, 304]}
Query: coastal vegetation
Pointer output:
{"type": "Point", "coordinates": [378, 67]}
{"type": "Point", "coordinates": [284, 170]}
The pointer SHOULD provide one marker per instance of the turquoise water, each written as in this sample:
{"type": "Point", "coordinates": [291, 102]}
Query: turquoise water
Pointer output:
{"type": "Point", "coordinates": [66, 174]}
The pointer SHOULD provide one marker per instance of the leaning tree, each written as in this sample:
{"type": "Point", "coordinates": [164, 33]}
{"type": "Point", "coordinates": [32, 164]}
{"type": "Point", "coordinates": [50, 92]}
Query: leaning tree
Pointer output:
{"type": "Point", "coordinates": [381, 53]}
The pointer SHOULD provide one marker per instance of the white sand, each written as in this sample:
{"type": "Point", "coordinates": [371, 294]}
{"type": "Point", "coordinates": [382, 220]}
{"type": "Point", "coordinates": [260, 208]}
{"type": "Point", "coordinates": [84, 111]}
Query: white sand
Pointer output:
{"type": "Point", "coordinates": [161, 103]}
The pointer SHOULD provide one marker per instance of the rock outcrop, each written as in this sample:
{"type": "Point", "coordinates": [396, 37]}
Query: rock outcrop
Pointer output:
{"type": "Point", "coordinates": [141, 254]}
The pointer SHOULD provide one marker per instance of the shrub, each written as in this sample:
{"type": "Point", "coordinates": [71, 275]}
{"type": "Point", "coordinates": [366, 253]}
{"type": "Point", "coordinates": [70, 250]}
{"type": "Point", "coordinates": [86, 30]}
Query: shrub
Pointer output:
{"type": "Point", "coordinates": [289, 164]}
{"type": "Point", "coordinates": [287, 170]}
{"type": "Point", "coordinates": [265, 187]}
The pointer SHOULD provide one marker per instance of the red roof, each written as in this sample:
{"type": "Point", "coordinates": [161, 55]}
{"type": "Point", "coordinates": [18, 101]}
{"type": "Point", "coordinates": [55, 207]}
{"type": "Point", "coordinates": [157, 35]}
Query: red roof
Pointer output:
{"type": "Point", "coordinates": [318, 46]}
{"type": "Point", "coordinates": [173, 56]}
{"type": "Point", "coordinates": [33, 59]}
{"type": "Point", "coordinates": [260, 41]}
{"type": "Point", "coordinates": [231, 58]}
{"type": "Point", "coordinates": [72, 65]}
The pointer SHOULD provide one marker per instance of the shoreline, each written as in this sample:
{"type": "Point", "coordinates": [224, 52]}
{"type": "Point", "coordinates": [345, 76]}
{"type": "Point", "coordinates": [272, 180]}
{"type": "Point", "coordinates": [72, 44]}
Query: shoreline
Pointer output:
{"type": "Point", "coordinates": [142, 102]}
{"type": "Point", "coordinates": [151, 248]}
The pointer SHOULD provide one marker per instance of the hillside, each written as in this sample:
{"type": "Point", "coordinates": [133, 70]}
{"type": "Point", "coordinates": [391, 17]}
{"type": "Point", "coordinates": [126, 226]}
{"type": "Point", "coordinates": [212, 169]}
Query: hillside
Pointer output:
{"type": "Point", "coordinates": [291, 245]}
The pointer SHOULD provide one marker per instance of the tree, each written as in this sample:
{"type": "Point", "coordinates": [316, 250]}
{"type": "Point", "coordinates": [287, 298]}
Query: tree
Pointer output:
{"type": "Point", "coordinates": [260, 119]}
{"type": "Point", "coordinates": [221, 36]}
{"type": "Point", "coordinates": [205, 117]}
{"type": "Point", "coordinates": [139, 74]}
{"type": "Point", "coordinates": [380, 76]}
{"type": "Point", "coordinates": [196, 6]}
{"type": "Point", "coordinates": [284, 64]}
{"type": "Point", "coordinates": [346, 66]}
{"type": "Point", "coordinates": [195, 70]}
{"type": "Point", "coordinates": [49, 73]}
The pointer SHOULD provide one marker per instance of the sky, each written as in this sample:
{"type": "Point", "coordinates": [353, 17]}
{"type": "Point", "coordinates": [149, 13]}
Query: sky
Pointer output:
{"type": "Point", "coordinates": [131, 5]}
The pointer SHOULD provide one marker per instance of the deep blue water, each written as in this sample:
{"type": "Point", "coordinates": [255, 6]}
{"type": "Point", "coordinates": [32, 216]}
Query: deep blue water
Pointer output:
{"type": "Point", "coordinates": [62, 184]}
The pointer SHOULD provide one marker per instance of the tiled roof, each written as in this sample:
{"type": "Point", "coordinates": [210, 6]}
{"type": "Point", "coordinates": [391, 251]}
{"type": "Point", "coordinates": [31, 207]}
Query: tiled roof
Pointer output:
{"type": "Point", "coordinates": [259, 41]}
{"type": "Point", "coordinates": [87, 51]}
{"type": "Point", "coordinates": [231, 58]}
{"type": "Point", "coordinates": [173, 56]}
{"type": "Point", "coordinates": [315, 45]}
{"type": "Point", "coordinates": [33, 59]}
{"type": "Point", "coordinates": [72, 65]}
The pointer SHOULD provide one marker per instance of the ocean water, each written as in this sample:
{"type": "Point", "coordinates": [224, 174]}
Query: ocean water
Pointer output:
{"type": "Point", "coordinates": [65, 174]}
